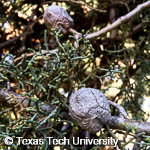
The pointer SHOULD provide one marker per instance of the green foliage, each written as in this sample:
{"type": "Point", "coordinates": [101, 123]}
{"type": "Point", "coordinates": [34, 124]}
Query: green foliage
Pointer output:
{"type": "Point", "coordinates": [45, 76]}
{"type": "Point", "coordinates": [42, 82]}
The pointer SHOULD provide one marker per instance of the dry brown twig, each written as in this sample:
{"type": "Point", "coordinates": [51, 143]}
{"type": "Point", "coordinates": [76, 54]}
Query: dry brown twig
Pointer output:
{"type": "Point", "coordinates": [122, 3]}
{"type": "Point", "coordinates": [32, 54]}
{"type": "Point", "coordinates": [78, 2]}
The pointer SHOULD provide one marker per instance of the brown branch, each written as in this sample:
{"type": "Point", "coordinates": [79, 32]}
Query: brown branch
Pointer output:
{"type": "Point", "coordinates": [77, 2]}
{"type": "Point", "coordinates": [112, 19]}
{"type": "Point", "coordinates": [122, 3]}
{"type": "Point", "coordinates": [36, 53]}
{"type": "Point", "coordinates": [134, 30]}
{"type": "Point", "coordinates": [9, 42]}
{"type": "Point", "coordinates": [119, 21]}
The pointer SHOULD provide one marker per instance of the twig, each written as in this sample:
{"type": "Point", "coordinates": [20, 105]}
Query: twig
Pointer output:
{"type": "Point", "coordinates": [113, 135]}
{"type": "Point", "coordinates": [9, 109]}
{"type": "Point", "coordinates": [9, 42]}
{"type": "Point", "coordinates": [122, 3]}
{"type": "Point", "coordinates": [119, 21]}
{"type": "Point", "coordinates": [48, 117]}
{"type": "Point", "coordinates": [78, 2]}
{"type": "Point", "coordinates": [134, 30]}
{"type": "Point", "coordinates": [32, 54]}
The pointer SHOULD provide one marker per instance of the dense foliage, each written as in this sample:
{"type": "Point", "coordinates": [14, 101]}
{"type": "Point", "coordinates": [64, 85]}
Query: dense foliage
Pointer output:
{"type": "Point", "coordinates": [117, 63]}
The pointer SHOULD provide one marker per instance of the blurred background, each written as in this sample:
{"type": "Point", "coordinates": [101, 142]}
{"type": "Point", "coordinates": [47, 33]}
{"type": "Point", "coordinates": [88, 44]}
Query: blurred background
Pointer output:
{"type": "Point", "coordinates": [118, 63]}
